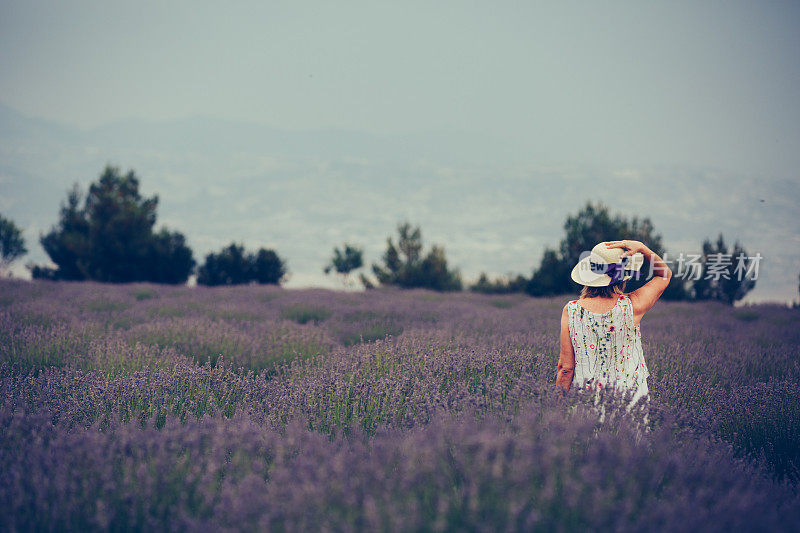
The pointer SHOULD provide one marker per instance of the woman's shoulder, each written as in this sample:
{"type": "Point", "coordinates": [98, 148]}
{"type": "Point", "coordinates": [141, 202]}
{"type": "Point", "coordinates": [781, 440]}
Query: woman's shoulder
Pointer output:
{"type": "Point", "coordinates": [624, 299]}
{"type": "Point", "coordinates": [626, 304]}
{"type": "Point", "coordinates": [566, 311]}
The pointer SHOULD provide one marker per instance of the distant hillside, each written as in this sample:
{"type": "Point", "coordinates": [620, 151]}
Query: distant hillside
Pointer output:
{"type": "Point", "coordinates": [304, 192]}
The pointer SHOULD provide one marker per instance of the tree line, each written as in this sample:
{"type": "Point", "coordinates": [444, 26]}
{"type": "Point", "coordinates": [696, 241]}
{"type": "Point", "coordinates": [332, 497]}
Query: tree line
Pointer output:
{"type": "Point", "coordinates": [109, 235]}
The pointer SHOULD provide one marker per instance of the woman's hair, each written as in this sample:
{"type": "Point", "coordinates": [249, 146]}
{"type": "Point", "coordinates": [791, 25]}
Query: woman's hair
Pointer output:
{"type": "Point", "coordinates": [609, 291]}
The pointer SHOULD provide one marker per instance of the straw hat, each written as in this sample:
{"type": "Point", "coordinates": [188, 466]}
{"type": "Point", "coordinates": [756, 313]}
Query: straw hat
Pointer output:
{"type": "Point", "coordinates": [602, 265]}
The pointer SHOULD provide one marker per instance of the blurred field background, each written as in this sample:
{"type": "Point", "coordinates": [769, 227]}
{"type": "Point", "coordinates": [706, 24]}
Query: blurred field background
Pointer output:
{"type": "Point", "coordinates": [142, 406]}
{"type": "Point", "coordinates": [175, 175]}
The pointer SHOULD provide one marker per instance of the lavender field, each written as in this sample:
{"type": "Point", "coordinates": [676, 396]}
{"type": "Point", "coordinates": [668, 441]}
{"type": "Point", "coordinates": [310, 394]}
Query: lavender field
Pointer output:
{"type": "Point", "coordinates": [245, 408]}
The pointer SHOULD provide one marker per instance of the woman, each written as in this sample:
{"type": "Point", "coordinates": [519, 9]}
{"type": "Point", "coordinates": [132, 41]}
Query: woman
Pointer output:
{"type": "Point", "coordinates": [601, 345]}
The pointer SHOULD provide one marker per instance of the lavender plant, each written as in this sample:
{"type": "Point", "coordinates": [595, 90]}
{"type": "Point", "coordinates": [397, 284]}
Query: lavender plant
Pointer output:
{"type": "Point", "coordinates": [137, 406]}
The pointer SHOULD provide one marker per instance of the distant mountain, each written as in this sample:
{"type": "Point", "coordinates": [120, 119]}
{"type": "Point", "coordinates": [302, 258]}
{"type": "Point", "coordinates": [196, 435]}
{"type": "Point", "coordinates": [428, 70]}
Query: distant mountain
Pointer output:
{"type": "Point", "coordinates": [16, 127]}
{"type": "Point", "coordinates": [304, 192]}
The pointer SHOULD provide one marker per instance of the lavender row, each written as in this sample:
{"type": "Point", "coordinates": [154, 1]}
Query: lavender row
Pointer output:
{"type": "Point", "coordinates": [545, 469]}
{"type": "Point", "coordinates": [88, 359]}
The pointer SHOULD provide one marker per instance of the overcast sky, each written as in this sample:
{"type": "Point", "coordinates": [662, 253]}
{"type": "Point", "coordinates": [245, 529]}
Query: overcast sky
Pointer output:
{"type": "Point", "coordinates": [700, 83]}
{"type": "Point", "coordinates": [698, 87]}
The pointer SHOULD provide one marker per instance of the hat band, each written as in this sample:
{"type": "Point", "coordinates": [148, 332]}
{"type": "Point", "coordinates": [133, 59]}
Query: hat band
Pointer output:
{"type": "Point", "coordinates": [616, 271]}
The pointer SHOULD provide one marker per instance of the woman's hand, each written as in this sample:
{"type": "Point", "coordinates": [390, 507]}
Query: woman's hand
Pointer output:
{"type": "Point", "coordinates": [629, 247]}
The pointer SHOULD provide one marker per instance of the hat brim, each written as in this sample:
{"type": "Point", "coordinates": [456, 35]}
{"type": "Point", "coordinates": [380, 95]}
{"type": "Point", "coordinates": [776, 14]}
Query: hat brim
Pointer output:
{"type": "Point", "coordinates": [582, 272]}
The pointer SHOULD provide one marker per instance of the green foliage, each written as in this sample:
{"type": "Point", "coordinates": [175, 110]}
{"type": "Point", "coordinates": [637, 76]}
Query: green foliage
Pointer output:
{"type": "Point", "coordinates": [144, 294]}
{"type": "Point", "coordinates": [233, 266]}
{"type": "Point", "coordinates": [724, 276]}
{"type": "Point", "coordinates": [171, 258]}
{"type": "Point", "coordinates": [267, 267]}
{"type": "Point", "coordinates": [229, 267]}
{"type": "Point", "coordinates": [591, 225]}
{"type": "Point", "coordinates": [68, 243]}
{"type": "Point", "coordinates": [370, 332]}
{"type": "Point", "coordinates": [797, 304]}
{"type": "Point", "coordinates": [110, 238]}
{"type": "Point", "coordinates": [746, 315]}
{"type": "Point", "coordinates": [344, 261]}
{"type": "Point", "coordinates": [405, 266]}
{"type": "Point", "coordinates": [35, 346]}
{"type": "Point", "coordinates": [12, 244]}
{"type": "Point", "coordinates": [303, 314]}
{"type": "Point", "coordinates": [502, 304]}
{"type": "Point", "coordinates": [365, 281]}
{"type": "Point", "coordinates": [594, 224]}
{"type": "Point", "coordinates": [501, 285]}
{"type": "Point", "coordinates": [552, 276]}
{"type": "Point", "coordinates": [678, 289]}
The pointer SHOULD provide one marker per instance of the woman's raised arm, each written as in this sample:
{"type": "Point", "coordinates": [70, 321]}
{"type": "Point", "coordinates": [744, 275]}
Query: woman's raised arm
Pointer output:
{"type": "Point", "coordinates": [645, 296]}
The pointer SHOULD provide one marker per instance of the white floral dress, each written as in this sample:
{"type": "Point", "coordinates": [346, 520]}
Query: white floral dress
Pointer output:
{"type": "Point", "coordinates": [608, 348]}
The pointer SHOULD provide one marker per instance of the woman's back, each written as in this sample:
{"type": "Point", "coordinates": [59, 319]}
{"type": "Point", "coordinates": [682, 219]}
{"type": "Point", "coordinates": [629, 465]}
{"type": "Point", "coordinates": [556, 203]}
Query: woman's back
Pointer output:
{"type": "Point", "coordinates": [601, 346]}
{"type": "Point", "coordinates": [607, 345]}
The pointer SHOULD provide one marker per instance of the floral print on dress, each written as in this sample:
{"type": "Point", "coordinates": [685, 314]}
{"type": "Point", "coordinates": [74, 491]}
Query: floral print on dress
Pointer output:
{"type": "Point", "coordinates": [608, 347]}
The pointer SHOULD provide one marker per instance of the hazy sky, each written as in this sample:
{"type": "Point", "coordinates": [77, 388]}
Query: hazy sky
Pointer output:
{"type": "Point", "coordinates": [684, 111]}
{"type": "Point", "coordinates": [697, 83]}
